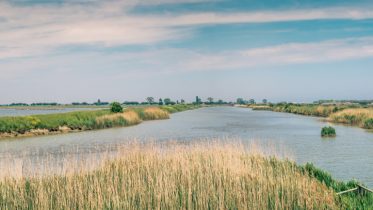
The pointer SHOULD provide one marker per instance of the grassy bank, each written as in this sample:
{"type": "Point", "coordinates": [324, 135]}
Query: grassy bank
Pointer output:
{"type": "Point", "coordinates": [309, 110]}
{"type": "Point", "coordinates": [351, 115]}
{"type": "Point", "coordinates": [358, 117]}
{"type": "Point", "coordinates": [175, 177]}
{"type": "Point", "coordinates": [83, 120]}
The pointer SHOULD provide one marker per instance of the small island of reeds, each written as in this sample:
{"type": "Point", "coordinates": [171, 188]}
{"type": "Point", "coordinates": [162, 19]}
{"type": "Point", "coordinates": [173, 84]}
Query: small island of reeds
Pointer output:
{"type": "Point", "coordinates": [328, 131]}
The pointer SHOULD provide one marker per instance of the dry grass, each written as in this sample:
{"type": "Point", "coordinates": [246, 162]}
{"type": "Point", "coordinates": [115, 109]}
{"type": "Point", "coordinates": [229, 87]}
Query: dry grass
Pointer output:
{"type": "Point", "coordinates": [129, 117]}
{"type": "Point", "coordinates": [155, 113]}
{"type": "Point", "coordinates": [358, 117]}
{"type": "Point", "coordinates": [201, 176]}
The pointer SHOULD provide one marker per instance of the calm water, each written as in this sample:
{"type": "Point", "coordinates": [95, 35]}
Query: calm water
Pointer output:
{"type": "Point", "coordinates": [25, 112]}
{"type": "Point", "coordinates": [349, 155]}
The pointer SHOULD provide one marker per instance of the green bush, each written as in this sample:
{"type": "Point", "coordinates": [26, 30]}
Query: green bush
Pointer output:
{"type": "Point", "coordinates": [328, 132]}
{"type": "Point", "coordinates": [116, 107]}
{"type": "Point", "coordinates": [368, 124]}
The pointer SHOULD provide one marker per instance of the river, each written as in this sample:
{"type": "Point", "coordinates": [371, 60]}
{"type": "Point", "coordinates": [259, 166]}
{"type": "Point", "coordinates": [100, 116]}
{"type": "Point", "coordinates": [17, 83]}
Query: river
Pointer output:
{"type": "Point", "coordinates": [347, 156]}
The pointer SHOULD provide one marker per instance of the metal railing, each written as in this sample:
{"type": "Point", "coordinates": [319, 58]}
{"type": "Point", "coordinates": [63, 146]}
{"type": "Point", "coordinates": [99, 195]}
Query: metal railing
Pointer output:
{"type": "Point", "coordinates": [360, 189]}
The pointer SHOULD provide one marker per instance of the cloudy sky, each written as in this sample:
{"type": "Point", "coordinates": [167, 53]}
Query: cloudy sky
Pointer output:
{"type": "Point", "coordinates": [289, 50]}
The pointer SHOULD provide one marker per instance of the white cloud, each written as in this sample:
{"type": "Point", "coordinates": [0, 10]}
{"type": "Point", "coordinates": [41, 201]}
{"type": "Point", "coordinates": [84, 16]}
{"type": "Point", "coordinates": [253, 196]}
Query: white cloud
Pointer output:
{"type": "Point", "coordinates": [35, 30]}
{"type": "Point", "coordinates": [331, 50]}
{"type": "Point", "coordinates": [170, 61]}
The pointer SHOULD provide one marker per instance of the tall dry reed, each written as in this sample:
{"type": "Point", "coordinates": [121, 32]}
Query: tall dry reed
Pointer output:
{"type": "Point", "coordinates": [155, 113]}
{"type": "Point", "coordinates": [360, 117]}
{"type": "Point", "coordinates": [200, 176]}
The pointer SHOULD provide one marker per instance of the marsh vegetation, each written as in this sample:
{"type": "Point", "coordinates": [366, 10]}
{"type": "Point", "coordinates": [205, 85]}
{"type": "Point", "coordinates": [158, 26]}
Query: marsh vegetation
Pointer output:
{"type": "Point", "coordinates": [328, 131]}
{"type": "Point", "coordinates": [212, 175]}
{"type": "Point", "coordinates": [346, 114]}
{"type": "Point", "coordinates": [84, 120]}
{"type": "Point", "coordinates": [174, 177]}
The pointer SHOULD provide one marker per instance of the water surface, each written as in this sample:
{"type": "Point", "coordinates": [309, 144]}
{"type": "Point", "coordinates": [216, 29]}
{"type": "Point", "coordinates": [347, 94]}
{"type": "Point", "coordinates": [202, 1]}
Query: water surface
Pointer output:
{"type": "Point", "coordinates": [6, 112]}
{"type": "Point", "coordinates": [348, 156]}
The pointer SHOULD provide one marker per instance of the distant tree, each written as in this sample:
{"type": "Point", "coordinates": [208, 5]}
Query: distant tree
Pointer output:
{"type": "Point", "coordinates": [160, 102]}
{"type": "Point", "coordinates": [177, 101]}
{"type": "Point", "coordinates": [210, 100]}
{"type": "Point", "coordinates": [240, 101]}
{"type": "Point", "coordinates": [116, 107]}
{"type": "Point", "coordinates": [150, 100]}
{"type": "Point", "coordinates": [220, 101]}
{"type": "Point", "coordinates": [198, 100]}
{"type": "Point", "coordinates": [252, 101]}
{"type": "Point", "coordinates": [167, 101]}
{"type": "Point", "coordinates": [131, 103]}
{"type": "Point", "coordinates": [182, 101]}
{"type": "Point", "coordinates": [265, 101]}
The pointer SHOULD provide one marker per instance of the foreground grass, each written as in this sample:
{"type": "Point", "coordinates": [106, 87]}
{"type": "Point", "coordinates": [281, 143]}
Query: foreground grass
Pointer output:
{"type": "Point", "coordinates": [208, 176]}
{"type": "Point", "coordinates": [83, 120]}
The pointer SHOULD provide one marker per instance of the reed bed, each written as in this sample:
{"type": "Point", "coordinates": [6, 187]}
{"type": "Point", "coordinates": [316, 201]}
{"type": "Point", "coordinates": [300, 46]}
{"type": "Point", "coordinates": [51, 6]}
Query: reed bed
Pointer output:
{"type": "Point", "coordinates": [346, 114]}
{"type": "Point", "coordinates": [309, 110]}
{"type": "Point", "coordinates": [155, 113]}
{"type": "Point", "coordinates": [174, 176]}
{"type": "Point", "coordinates": [359, 117]}
{"type": "Point", "coordinates": [126, 118]}
{"type": "Point", "coordinates": [261, 108]}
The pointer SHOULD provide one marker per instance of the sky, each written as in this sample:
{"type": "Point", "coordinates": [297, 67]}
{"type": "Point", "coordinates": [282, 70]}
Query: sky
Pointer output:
{"type": "Point", "coordinates": [83, 50]}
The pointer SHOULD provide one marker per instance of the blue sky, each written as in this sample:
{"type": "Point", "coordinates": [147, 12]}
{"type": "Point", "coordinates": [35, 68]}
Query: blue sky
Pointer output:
{"type": "Point", "coordinates": [289, 50]}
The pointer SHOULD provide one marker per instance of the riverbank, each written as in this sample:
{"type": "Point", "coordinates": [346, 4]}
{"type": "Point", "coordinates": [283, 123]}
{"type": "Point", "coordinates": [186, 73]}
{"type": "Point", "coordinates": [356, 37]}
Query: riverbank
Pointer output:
{"type": "Point", "coordinates": [176, 176]}
{"type": "Point", "coordinates": [343, 114]}
{"type": "Point", "coordinates": [48, 124]}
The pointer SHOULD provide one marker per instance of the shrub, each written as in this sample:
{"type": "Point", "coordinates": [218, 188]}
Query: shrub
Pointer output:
{"type": "Point", "coordinates": [116, 107]}
{"type": "Point", "coordinates": [368, 124]}
{"type": "Point", "coordinates": [328, 132]}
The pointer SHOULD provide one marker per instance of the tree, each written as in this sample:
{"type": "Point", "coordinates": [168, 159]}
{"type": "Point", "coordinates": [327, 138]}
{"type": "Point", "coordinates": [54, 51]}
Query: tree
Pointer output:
{"type": "Point", "coordinates": [240, 101]}
{"type": "Point", "coordinates": [182, 101]}
{"type": "Point", "coordinates": [252, 101]}
{"type": "Point", "coordinates": [265, 101]}
{"type": "Point", "coordinates": [150, 100]}
{"type": "Point", "coordinates": [220, 101]}
{"type": "Point", "coordinates": [116, 107]}
{"type": "Point", "coordinates": [167, 101]}
{"type": "Point", "coordinates": [198, 100]}
{"type": "Point", "coordinates": [160, 102]}
{"type": "Point", "coordinates": [210, 100]}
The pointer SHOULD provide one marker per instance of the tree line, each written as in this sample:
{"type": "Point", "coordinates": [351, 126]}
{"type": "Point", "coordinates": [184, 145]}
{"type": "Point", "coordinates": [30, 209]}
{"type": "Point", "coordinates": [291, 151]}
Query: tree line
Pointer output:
{"type": "Point", "coordinates": [149, 101]}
